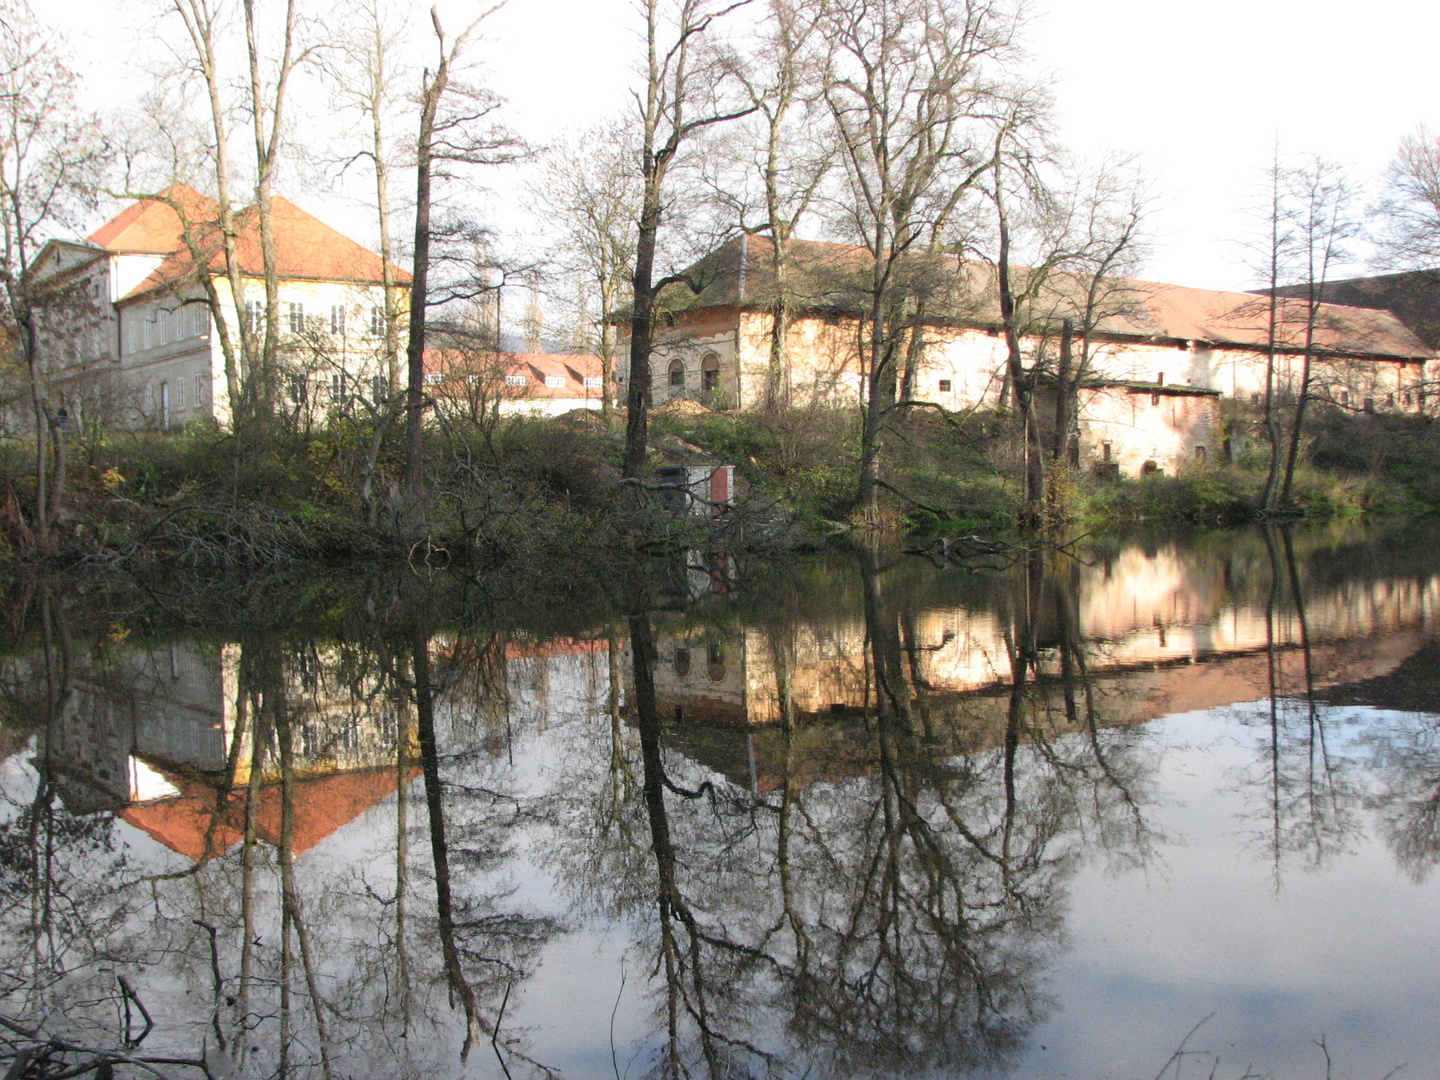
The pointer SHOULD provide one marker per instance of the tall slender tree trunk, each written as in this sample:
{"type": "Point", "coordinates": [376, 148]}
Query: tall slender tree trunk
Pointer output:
{"type": "Point", "coordinates": [1020, 387]}
{"type": "Point", "coordinates": [637, 394]}
{"type": "Point", "coordinates": [419, 286]}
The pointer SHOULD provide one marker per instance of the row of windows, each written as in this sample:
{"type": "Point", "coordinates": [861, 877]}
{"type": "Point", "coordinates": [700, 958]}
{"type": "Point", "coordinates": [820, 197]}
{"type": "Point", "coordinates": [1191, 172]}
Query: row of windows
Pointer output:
{"type": "Point", "coordinates": [298, 322]}
{"type": "Point", "coordinates": [167, 325]}
{"type": "Point", "coordinates": [338, 386]}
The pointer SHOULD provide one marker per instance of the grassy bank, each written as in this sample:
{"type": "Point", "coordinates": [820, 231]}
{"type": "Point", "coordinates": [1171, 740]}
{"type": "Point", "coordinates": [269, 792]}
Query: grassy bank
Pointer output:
{"type": "Point", "coordinates": [526, 491]}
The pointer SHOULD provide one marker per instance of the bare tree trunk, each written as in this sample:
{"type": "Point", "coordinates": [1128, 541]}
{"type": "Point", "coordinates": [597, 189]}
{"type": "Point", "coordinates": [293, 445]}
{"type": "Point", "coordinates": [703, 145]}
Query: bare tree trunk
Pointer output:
{"type": "Point", "coordinates": [637, 399]}
{"type": "Point", "coordinates": [439, 850]}
{"type": "Point", "coordinates": [1019, 381]}
{"type": "Point", "coordinates": [419, 286]}
{"type": "Point", "coordinates": [267, 148]}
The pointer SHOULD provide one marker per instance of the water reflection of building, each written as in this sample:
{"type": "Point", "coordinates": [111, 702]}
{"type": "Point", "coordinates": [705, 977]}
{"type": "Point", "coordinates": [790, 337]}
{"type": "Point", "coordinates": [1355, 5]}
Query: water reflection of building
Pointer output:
{"type": "Point", "coordinates": [1157, 617]}
{"type": "Point", "coordinates": [163, 737]}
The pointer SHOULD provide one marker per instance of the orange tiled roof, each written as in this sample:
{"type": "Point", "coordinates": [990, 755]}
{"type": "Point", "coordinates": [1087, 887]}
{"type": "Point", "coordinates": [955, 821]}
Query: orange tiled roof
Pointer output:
{"type": "Point", "coordinates": [306, 247]}
{"type": "Point", "coordinates": [573, 368]}
{"type": "Point", "coordinates": [151, 226]}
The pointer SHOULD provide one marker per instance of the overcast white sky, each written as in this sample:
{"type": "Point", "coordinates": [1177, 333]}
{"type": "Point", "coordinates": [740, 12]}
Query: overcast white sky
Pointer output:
{"type": "Point", "coordinates": [1200, 91]}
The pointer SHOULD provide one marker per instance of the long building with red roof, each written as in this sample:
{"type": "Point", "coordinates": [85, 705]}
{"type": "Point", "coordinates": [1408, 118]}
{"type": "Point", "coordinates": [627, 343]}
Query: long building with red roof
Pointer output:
{"type": "Point", "coordinates": [1159, 356]}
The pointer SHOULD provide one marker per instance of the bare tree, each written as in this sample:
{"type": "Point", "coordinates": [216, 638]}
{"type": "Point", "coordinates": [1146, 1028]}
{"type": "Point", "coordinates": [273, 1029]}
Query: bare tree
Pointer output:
{"type": "Point", "coordinates": [455, 129]}
{"type": "Point", "coordinates": [905, 81]}
{"type": "Point", "coordinates": [367, 72]}
{"type": "Point", "coordinates": [1409, 208]}
{"type": "Point", "coordinates": [1323, 216]}
{"type": "Point", "coordinates": [590, 194]}
{"type": "Point", "coordinates": [1105, 238]}
{"type": "Point", "coordinates": [51, 156]}
{"type": "Point", "coordinates": [793, 156]}
{"type": "Point", "coordinates": [685, 93]}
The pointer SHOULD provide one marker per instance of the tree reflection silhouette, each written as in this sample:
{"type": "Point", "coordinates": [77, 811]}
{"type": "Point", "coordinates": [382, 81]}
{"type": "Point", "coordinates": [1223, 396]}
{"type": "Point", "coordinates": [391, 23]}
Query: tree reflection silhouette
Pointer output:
{"type": "Point", "coordinates": [899, 922]}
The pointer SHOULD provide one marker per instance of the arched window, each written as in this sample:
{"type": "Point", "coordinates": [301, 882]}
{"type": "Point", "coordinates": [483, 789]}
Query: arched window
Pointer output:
{"type": "Point", "coordinates": [677, 378]}
{"type": "Point", "coordinates": [709, 378]}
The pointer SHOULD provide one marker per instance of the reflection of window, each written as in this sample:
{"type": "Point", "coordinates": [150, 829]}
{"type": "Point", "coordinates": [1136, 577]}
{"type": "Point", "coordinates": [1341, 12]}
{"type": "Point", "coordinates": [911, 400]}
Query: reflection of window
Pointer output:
{"type": "Point", "coordinates": [682, 662]}
{"type": "Point", "coordinates": [715, 660]}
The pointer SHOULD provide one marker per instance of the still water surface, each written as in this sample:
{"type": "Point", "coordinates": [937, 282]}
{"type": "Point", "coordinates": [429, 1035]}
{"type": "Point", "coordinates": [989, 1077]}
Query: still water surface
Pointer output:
{"type": "Point", "coordinates": [866, 817]}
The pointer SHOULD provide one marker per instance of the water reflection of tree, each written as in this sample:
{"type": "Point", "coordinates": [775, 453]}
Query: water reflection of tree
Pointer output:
{"type": "Point", "coordinates": [1304, 792]}
{"type": "Point", "coordinates": [327, 968]}
{"type": "Point", "coordinates": [895, 922]}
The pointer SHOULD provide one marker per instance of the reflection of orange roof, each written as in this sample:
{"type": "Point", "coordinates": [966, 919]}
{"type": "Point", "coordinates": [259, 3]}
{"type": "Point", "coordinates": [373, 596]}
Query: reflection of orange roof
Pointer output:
{"type": "Point", "coordinates": [203, 823]}
{"type": "Point", "coordinates": [306, 247]}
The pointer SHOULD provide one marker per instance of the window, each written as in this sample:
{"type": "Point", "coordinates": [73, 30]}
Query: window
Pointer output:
{"type": "Point", "coordinates": [1344, 397]}
{"type": "Point", "coordinates": [709, 378]}
{"type": "Point", "coordinates": [337, 387]}
{"type": "Point", "coordinates": [297, 318]}
{"type": "Point", "coordinates": [944, 386]}
{"type": "Point", "coordinates": [147, 333]}
{"type": "Point", "coordinates": [555, 382]}
{"type": "Point", "coordinates": [594, 382]}
{"type": "Point", "coordinates": [515, 380]}
{"type": "Point", "coordinates": [1389, 401]}
{"type": "Point", "coordinates": [433, 378]}
{"type": "Point", "coordinates": [254, 319]}
{"type": "Point", "coordinates": [337, 318]}
{"type": "Point", "coordinates": [165, 404]}
{"type": "Point", "coordinates": [677, 373]}
{"type": "Point", "coordinates": [162, 326]}
{"type": "Point", "coordinates": [377, 320]}
{"type": "Point", "coordinates": [199, 389]}
{"type": "Point", "coordinates": [180, 393]}
{"type": "Point", "coordinates": [682, 662]}
{"type": "Point", "coordinates": [1201, 453]}
{"type": "Point", "coordinates": [297, 389]}
{"type": "Point", "coordinates": [379, 388]}
{"type": "Point", "coordinates": [133, 336]}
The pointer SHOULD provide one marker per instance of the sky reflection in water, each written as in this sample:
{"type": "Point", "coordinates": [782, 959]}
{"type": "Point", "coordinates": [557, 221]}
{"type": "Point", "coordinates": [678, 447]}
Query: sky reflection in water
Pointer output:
{"type": "Point", "coordinates": [871, 818]}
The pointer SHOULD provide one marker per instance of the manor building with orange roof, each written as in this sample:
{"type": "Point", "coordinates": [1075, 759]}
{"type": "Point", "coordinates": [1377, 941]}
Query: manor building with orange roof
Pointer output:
{"type": "Point", "coordinates": [135, 340]}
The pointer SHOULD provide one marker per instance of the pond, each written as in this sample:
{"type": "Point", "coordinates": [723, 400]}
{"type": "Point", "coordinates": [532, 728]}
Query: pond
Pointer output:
{"type": "Point", "coordinates": [1122, 810]}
